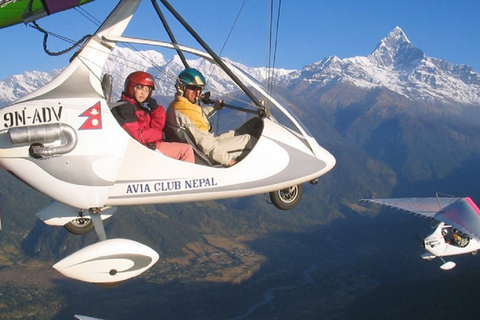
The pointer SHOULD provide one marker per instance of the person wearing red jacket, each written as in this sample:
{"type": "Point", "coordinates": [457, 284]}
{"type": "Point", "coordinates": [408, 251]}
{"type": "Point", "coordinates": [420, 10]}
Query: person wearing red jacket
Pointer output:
{"type": "Point", "coordinates": [144, 119]}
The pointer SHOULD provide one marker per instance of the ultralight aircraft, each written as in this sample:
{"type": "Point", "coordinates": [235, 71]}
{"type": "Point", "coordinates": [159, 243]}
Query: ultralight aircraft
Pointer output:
{"type": "Point", "coordinates": [63, 141]}
{"type": "Point", "coordinates": [458, 231]}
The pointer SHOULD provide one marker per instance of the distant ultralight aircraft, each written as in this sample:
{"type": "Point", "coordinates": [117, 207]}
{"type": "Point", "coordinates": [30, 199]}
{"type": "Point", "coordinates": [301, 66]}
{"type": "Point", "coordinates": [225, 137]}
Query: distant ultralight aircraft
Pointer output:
{"type": "Point", "coordinates": [458, 231]}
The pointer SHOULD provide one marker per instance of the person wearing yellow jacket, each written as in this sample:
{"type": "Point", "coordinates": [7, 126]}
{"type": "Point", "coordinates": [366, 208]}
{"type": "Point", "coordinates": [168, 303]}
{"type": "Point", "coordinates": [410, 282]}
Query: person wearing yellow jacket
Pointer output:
{"type": "Point", "coordinates": [184, 112]}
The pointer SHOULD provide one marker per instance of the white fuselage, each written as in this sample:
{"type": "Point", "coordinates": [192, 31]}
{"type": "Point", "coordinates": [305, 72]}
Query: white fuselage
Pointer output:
{"type": "Point", "coordinates": [86, 160]}
{"type": "Point", "coordinates": [108, 167]}
{"type": "Point", "coordinates": [441, 243]}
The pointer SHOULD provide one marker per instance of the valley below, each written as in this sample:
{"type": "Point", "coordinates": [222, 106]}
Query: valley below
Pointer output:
{"type": "Point", "coordinates": [354, 268]}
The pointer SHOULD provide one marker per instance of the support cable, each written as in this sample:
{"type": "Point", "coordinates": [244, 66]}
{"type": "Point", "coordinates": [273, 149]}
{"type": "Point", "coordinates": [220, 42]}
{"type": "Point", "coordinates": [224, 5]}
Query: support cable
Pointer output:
{"type": "Point", "coordinates": [213, 55]}
{"type": "Point", "coordinates": [169, 32]}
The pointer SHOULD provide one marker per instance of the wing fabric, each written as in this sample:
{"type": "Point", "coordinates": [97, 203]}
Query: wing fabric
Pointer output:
{"type": "Point", "coordinates": [424, 206]}
{"type": "Point", "coordinates": [11, 12]}
{"type": "Point", "coordinates": [16, 11]}
{"type": "Point", "coordinates": [461, 213]}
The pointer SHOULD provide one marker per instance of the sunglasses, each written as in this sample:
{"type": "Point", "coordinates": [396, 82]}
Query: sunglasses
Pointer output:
{"type": "Point", "coordinates": [194, 88]}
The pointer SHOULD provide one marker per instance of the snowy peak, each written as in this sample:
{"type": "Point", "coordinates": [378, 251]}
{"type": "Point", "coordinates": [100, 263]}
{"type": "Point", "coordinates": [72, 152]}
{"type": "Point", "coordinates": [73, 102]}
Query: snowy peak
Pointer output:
{"type": "Point", "coordinates": [395, 49]}
{"type": "Point", "coordinates": [123, 61]}
{"type": "Point", "coordinates": [397, 65]}
{"type": "Point", "coordinates": [394, 39]}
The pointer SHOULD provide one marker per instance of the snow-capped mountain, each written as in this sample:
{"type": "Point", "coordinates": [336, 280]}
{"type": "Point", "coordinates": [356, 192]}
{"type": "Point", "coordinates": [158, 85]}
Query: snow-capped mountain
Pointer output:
{"type": "Point", "coordinates": [395, 64]}
{"type": "Point", "coordinates": [16, 86]}
{"type": "Point", "coordinates": [165, 72]}
{"type": "Point", "coordinates": [123, 61]}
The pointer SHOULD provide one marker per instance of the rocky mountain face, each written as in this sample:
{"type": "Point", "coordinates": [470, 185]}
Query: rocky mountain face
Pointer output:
{"type": "Point", "coordinates": [397, 65]}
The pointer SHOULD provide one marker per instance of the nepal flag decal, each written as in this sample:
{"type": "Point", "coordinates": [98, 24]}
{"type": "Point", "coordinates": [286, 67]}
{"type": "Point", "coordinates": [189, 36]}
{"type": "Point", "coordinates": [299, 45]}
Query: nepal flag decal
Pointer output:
{"type": "Point", "coordinates": [94, 120]}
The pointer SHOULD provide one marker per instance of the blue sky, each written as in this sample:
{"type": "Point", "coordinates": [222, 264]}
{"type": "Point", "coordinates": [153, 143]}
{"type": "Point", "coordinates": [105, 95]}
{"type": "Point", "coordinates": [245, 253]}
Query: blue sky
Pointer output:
{"type": "Point", "coordinates": [309, 30]}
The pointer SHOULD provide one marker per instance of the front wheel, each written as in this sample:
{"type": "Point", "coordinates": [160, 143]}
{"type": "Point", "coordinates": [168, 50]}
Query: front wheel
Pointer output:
{"type": "Point", "coordinates": [288, 198]}
{"type": "Point", "coordinates": [79, 226]}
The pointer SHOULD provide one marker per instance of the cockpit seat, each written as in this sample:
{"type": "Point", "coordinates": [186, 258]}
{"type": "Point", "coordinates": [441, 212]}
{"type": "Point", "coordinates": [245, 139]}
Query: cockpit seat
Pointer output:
{"type": "Point", "coordinates": [178, 134]}
{"type": "Point", "coordinates": [107, 83]}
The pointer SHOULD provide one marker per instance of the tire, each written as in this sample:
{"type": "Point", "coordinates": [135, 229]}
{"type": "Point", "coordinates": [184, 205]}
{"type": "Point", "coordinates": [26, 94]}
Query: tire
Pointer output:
{"type": "Point", "coordinates": [288, 198]}
{"type": "Point", "coordinates": [79, 226]}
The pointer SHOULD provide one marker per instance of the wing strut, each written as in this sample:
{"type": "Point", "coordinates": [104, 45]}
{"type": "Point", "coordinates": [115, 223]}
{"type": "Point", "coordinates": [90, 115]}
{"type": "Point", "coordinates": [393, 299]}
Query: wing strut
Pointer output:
{"type": "Point", "coordinates": [215, 57]}
{"type": "Point", "coordinates": [169, 31]}
{"type": "Point", "coordinates": [98, 224]}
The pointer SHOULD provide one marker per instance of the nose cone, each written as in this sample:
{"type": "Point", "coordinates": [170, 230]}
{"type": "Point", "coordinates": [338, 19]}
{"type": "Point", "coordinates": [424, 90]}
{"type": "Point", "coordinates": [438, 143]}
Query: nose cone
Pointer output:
{"type": "Point", "coordinates": [329, 160]}
{"type": "Point", "coordinates": [323, 155]}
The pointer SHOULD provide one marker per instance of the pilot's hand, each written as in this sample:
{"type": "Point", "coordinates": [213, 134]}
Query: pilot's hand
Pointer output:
{"type": "Point", "coordinates": [218, 105]}
{"type": "Point", "coordinates": [231, 163]}
{"type": "Point", "coordinates": [151, 104]}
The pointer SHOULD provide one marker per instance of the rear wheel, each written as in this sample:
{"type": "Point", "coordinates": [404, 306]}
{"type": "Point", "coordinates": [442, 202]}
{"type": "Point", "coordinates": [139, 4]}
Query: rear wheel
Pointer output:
{"type": "Point", "coordinates": [288, 198]}
{"type": "Point", "coordinates": [79, 226]}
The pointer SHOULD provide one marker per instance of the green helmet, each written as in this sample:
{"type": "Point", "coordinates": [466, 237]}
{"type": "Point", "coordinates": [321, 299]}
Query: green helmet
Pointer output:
{"type": "Point", "coordinates": [189, 76]}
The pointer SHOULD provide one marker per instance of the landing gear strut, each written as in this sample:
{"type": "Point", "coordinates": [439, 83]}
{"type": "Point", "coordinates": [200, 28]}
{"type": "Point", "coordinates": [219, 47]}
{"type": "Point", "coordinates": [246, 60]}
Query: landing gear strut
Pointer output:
{"type": "Point", "coordinates": [86, 222]}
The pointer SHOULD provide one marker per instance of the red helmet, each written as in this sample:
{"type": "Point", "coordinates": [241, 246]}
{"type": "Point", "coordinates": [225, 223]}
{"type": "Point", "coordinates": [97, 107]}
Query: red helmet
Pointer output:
{"type": "Point", "coordinates": [136, 78]}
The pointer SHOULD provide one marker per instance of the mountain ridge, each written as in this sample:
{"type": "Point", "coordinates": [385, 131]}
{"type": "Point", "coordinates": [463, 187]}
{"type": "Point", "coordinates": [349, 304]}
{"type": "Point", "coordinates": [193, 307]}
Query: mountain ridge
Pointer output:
{"type": "Point", "coordinates": [395, 64]}
{"type": "Point", "coordinates": [398, 66]}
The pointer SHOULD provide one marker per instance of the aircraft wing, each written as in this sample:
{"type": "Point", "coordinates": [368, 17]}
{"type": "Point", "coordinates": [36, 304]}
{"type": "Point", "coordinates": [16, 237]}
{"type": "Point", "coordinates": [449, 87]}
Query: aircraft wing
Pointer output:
{"type": "Point", "coordinates": [80, 317]}
{"type": "Point", "coordinates": [13, 11]}
{"type": "Point", "coordinates": [461, 213]}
